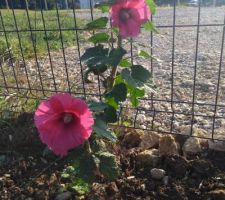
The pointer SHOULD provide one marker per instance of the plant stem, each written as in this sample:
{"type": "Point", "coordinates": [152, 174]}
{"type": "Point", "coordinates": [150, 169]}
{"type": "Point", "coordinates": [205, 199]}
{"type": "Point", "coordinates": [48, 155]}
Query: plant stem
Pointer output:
{"type": "Point", "coordinates": [87, 147]}
{"type": "Point", "coordinates": [114, 69]}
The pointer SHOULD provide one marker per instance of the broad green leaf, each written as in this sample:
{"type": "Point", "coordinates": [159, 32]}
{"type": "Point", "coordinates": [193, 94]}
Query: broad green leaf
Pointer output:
{"type": "Point", "coordinates": [98, 23]}
{"type": "Point", "coordinates": [115, 56]}
{"type": "Point", "coordinates": [100, 128]}
{"type": "Point", "coordinates": [99, 37]}
{"type": "Point", "coordinates": [87, 166]}
{"type": "Point", "coordinates": [144, 54]}
{"type": "Point", "coordinates": [137, 76]}
{"type": "Point", "coordinates": [98, 145]}
{"type": "Point", "coordinates": [95, 55]}
{"type": "Point", "coordinates": [112, 102]}
{"type": "Point", "coordinates": [108, 165]}
{"type": "Point", "coordinates": [152, 6]}
{"type": "Point", "coordinates": [135, 93]}
{"type": "Point", "coordinates": [139, 73]}
{"type": "Point", "coordinates": [125, 63]}
{"type": "Point", "coordinates": [149, 26]}
{"type": "Point", "coordinates": [97, 106]}
{"type": "Point", "coordinates": [119, 92]}
{"type": "Point", "coordinates": [110, 114]}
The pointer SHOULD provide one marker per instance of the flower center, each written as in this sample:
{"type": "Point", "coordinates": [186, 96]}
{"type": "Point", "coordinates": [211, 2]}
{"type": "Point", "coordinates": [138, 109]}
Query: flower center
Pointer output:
{"type": "Point", "coordinates": [68, 118]}
{"type": "Point", "coordinates": [124, 15]}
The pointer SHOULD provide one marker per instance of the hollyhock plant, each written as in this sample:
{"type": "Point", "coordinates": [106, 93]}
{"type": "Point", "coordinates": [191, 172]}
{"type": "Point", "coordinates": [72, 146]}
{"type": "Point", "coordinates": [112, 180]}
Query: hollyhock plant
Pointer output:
{"type": "Point", "coordinates": [128, 16]}
{"type": "Point", "coordinates": [64, 122]}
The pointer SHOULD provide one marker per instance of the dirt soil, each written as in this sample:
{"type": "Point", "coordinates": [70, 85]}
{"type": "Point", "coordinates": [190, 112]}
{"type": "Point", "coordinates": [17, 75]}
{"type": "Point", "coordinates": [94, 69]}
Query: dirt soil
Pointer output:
{"type": "Point", "coordinates": [28, 173]}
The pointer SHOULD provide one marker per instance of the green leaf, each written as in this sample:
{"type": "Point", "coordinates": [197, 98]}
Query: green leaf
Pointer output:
{"type": "Point", "coordinates": [137, 76]}
{"type": "Point", "coordinates": [104, 8]}
{"type": "Point", "coordinates": [87, 166]}
{"type": "Point", "coordinates": [125, 63]}
{"type": "Point", "coordinates": [111, 101]}
{"type": "Point", "coordinates": [135, 93]}
{"type": "Point", "coordinates": [144, 54]}
{"type": "Point", "coordinates": [95, 55]}
{"type": "Point", "coordinates": [152, 6]}
{"type": "Point", "coordinates": [98, 57]}
{"type": "Point", "coordinates": [99, 37]}
{"type": "Point", "coordinates": [119, 92]}
{"type": "Point", "coordinates": [110, 114]}
{"type": "Point", "coordinates": [98, 23]}
{"type": "Point", "coordinates": [115, 56]}
{"type": "Point", "coordinates": [80, 186]}
{"type": "Point", "coordinates": [149, 26]}
{"type": "Point", "coordinates": [100, 128]}
{"type": "Point", "coordinates": [97, 106]}
{"type": "Point", "coordinates": [108, 165]}
{"type": "Point", "coordinates": [98, 145]}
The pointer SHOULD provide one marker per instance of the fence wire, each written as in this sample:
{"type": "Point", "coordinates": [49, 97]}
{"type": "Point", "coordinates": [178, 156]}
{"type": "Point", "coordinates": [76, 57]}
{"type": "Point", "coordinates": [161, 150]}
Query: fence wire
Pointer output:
{"type": "Point", "coordinates": [40, 55]}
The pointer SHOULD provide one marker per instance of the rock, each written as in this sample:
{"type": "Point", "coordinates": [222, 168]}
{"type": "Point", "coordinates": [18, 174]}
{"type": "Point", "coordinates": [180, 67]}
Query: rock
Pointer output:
{"type": "Point", "coordinates": [168, 145]}
{"type": "Point", "coordinates": [149, 140]}
{"type": "Point", "coordinates": [176, 165]}
{"type": "Point", "coordinates": [218, 194]}
{"type": "Point", "coordinates": [166, 180]}
{"type": "Point", "coordinates": [141, 119]}
{"type": "Point", "coordinates": [202, 167]}
{"type": "Point", "coordinates": [216, 145]}
{"type": "Point", "coordinates": [148, 158]}
{"type": "Point", "coordinates": [132, 138]}
{"type": "Point", "coordinates": [112, 188]}
{"type": "Point", "coordinates": [64, 196]}
{"type": "Point", "coordinates": [157, 173]}
{"type": "Point", "coordinates": [191, 146]}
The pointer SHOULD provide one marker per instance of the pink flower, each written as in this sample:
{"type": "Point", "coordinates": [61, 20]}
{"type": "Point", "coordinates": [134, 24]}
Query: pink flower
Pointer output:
{"type": "Point", "coordinates": [128, 16]}
{"type": "Point", "coordinates": [64, 122]}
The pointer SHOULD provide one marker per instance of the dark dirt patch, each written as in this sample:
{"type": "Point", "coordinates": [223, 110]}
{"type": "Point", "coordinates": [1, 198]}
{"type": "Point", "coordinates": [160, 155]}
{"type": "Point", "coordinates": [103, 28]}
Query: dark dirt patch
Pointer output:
{"type": "Point", "coordinates": [25, 173]}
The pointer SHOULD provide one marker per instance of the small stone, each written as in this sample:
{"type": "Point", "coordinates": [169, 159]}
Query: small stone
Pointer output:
{"type": "Point", "coordinates": [64, 196]}
{"type": "Point", "coordinates": [112, 188]}
{"type": "Point", "coordinates": [148, 158]}
{"type": "Point", "coordinates": [149, 140]}
{"type": "Point", "coordinates": [132, 139]}
{"type": "Point", "coordinates": [192, 146]}
{"type": "Point", "coordinates": [168, 145]}
{"type": "Point", "coordinates": [157, 173]}
{"type": "Point", "coordinates": [7, 175]}
{"type": "Point", "coordinates": [218, 194]}
{"type": "Point", "coordinates": [216, 145]}
{"type": "Point", "coordinates": [141, 119]}
{"type": "Point", "coordinates": [166, 180]}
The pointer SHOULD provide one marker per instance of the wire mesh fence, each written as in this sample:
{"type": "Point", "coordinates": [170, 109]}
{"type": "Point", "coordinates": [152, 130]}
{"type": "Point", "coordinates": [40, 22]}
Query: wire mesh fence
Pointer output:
{"type": "Point", "coordinates": [40, 54]}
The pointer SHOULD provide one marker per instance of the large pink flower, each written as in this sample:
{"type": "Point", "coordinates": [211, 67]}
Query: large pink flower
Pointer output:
{"type": "Point", "coordinates": [129, 15]}
{"type": "Point", "coordinates": [63, 122]}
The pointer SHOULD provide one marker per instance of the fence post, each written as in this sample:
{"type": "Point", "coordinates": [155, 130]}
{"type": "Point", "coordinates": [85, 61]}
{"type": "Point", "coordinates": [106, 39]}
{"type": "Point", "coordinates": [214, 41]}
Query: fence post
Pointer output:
{"type": "Point", "coordinates": [7, 4]}
{"type": "Point", "coordinates": [46, 4]}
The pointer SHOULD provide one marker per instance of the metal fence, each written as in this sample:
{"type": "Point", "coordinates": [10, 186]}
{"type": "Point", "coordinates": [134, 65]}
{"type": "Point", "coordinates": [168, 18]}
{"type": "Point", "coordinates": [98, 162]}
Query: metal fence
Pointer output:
{"type": "Point", "coordinates": [40, 55]}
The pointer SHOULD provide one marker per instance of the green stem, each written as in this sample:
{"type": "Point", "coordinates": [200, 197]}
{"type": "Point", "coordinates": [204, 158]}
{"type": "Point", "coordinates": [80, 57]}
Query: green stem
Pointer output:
{"type": "Point", "coordinates": [114, 69]}
{"type": "Point", "coordinates": [87, 146]}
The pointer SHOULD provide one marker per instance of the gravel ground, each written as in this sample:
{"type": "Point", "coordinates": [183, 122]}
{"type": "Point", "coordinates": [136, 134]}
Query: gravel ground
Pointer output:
{"type": "Point", "coordinates": [184, 65]}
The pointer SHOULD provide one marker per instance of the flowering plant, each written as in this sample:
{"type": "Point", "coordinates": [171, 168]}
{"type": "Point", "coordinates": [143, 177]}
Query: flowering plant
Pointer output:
{"type": "Point", "coordinates": [65, 122]}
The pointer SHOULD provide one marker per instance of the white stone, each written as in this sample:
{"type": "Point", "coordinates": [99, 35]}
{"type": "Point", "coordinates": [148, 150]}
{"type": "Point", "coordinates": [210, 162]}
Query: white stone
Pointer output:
{"type": "Point", "coordinates": [149, 139]}
{"type": "Point", "coordinates": [157, 173]}
{"type": "Point", "coordinates": [141, 118]}
{"type": "Point", "coordinates": [168, 145]}
{"type": "Point", "coordinates": [192, 145]}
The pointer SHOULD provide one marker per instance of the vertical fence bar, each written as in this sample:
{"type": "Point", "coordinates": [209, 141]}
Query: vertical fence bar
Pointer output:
{"type": "Point", "coordinates": [34, 48]}
{"type": "Point", "coordinates": [63, 48]}
{"type": "Point", "coordinates": [195, 69]}
{"type": "Point", "coordinates": [48, 47]}
{"type": "Point", "coordinates": [78, 49]}
{"type": "Point", "coordinates": [10, 54]}
{"type": "Point", "coordinates": [21, 50]}
{"type": "Point", "coordinates": [218, 81]}
{"type": "Point", "coordinates": [172, 71]}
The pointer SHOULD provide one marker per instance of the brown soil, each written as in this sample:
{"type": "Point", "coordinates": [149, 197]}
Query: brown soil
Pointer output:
{"type": "Point", "coordinates": [25, 173]}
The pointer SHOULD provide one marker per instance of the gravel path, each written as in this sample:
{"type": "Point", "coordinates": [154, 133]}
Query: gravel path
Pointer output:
{"type": "Point", "coordinates": [184, 66]}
